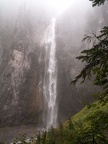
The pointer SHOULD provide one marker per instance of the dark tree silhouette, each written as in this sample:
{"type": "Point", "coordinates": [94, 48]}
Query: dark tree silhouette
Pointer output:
{"type": "Point", "coordinates": [98, 2]}
{"type": "Point", "coordinates": [96, 59]}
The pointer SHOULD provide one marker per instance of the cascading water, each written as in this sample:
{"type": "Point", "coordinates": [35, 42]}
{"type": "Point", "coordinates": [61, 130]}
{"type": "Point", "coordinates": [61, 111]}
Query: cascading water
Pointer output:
{"type": "Point", "coordinates": [50, 77]}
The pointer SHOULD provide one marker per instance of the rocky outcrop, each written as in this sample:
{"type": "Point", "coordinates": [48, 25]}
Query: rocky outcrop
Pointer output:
{"type": "Point", "coordinates": [70, 30]}
{"type": "Point", "coordinates": [22, 63]}
{"type": "Point", "coordinates": [21, 97]}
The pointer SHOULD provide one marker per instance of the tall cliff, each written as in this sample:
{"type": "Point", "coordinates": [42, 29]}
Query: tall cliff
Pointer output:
{"type": "Point", "coordinates": [22, 61]}
{"type": "Point", "coordinates": [21, 97]}
{"type": "Point", "coordinates": [71, 28]}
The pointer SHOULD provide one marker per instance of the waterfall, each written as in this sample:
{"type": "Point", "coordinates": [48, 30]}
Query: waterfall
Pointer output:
{"type": "Point", "coordinates": [50, 77]}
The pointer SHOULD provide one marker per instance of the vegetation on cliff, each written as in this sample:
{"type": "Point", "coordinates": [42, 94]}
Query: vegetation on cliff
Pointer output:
{"type": "Point", "coordinates": [96, 60]}
{"type": "Point", "coordinates": [89, 126]}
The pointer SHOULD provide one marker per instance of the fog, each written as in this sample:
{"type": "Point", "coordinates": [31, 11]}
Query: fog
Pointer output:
{"type": "Point", "coordinates": [28, 32]}
{"type": "Point", "coordinates": [41, 11]}
{"type": "Point", "coordinates": [10, 8]}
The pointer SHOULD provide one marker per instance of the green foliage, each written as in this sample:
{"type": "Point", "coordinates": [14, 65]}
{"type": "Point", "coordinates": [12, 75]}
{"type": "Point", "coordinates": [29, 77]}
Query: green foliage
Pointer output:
{"type": "Point", "coordinates": [38, 138]}
{"type": "Point", "coordinates": [70, 124]}
{"type": "Point", "coordinates": [96, 60]}
{"type": "Point", "coordinates": [50, 137]}
{"type": "Point", "coordinates": [89, 126]}
{"type": "Point", "coordinates": [43, 141]}
{"type": "Point", "coordinates": [60, 125]}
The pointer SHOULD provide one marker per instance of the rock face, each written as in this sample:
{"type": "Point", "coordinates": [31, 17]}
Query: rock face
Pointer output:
{"type": "Point", "coordinates": [22, 63]}
{"type": "Point", "coordinates": [70, 30]}
{"type": "Point", "coordinates": [21, 69]}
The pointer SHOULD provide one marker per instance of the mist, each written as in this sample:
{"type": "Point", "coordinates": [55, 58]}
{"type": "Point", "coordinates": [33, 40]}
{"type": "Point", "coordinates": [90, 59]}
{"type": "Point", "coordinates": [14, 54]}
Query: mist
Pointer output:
{"type": "Point", "coordinates": [10, 8]}
{"type": "Point", "coordinates": [39, 43]}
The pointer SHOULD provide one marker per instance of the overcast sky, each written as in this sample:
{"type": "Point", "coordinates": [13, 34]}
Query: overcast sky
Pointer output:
{"type": "Point", "coordinates": [59, 5]}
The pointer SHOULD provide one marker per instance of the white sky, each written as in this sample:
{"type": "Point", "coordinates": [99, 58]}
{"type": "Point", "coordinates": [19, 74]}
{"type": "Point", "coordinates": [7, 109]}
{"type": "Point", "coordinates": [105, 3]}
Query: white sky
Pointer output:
{"type": "Point", "coordinates": [60, 5]}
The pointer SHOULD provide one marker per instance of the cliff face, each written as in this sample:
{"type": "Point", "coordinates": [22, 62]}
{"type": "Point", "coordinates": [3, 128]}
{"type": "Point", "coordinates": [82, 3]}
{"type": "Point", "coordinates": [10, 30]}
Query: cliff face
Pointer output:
{"type": "Point", "coordinates": [70, 30]}
{"type": "Point", "coordinates": [21, 97]}
{"type": "Point", "coordinates": [22, 63]}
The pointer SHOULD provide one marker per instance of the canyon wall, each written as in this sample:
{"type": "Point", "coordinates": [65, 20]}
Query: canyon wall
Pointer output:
{"type": "Point", "coordinates": [22, 62]}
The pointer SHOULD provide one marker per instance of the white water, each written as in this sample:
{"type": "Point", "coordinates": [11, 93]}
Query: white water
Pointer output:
{"type": "Point", "coordinates": [50, 77]}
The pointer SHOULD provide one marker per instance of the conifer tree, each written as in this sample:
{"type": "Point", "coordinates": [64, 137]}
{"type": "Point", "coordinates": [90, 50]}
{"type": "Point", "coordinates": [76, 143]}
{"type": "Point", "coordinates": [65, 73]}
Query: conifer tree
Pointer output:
{"type": "Point", "coordinates": [38, 138]}
{"type": "Point", "coordinates": [96, 59]}
{"type": "Point", "coordinates": [98, 2]}
{"type": "Point", "coordinates": [70, 124]}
